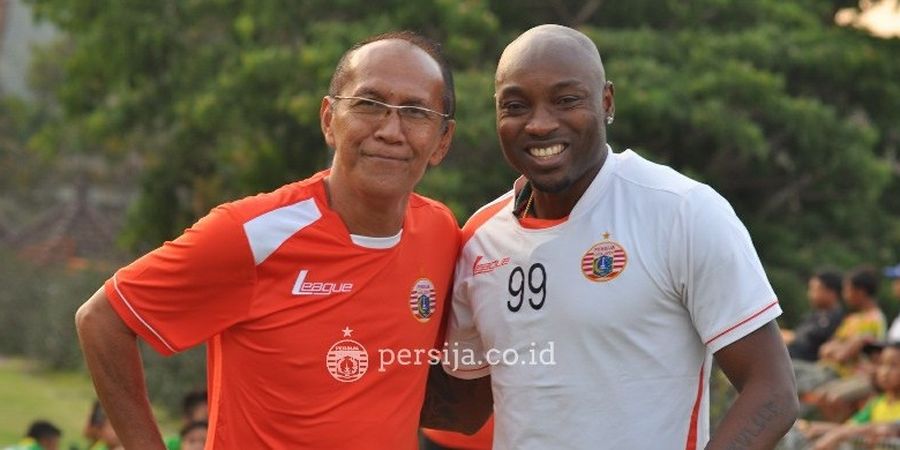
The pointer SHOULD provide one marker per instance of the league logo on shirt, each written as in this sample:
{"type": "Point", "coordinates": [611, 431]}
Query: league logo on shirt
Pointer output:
{"type": "Point", "coordinates": [422, 301]}
{"type": "Point", "coordinates": [347, 360]}
{"type": "Point", "coordinates": [604, 261]}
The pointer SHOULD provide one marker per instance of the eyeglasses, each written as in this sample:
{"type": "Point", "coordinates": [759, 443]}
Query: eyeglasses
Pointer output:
{"type": "Point", "coordinates": [409, 115]}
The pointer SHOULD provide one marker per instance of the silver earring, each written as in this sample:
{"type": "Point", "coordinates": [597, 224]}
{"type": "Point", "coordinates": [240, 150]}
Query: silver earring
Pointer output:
{"type": "Point", "coordinates": [609, 119]}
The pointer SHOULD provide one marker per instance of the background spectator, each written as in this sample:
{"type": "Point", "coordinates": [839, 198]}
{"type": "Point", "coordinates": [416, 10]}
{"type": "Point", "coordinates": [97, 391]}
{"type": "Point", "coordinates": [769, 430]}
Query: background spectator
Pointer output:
{"type": "Point", "coordinates": [41, 435]}
{"type": "Point", "coordinates": [841, 355]}
{"type": "Point", "coordinates": [194, 409]}
{"type": "Point", "coordinates": [893, 273]}
{"type": "Point", "coordinates": [193, 435]}
{"type": "Point", "coordinates": [880, 410]}
{"type": "Point", "coordinates": [99, 431]}
{"type": "Point", "coordinates": [824, 294]}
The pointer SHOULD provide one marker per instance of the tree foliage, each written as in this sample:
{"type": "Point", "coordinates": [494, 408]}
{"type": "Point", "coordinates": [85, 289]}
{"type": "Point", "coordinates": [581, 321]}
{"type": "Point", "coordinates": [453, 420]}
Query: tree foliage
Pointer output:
{"type": "Point", "coordinates": [791, 117]}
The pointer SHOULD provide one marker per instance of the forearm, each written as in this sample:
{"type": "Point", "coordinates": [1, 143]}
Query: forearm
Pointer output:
{"type": "Point", "coordinates": [758, 418]}
{"type": "Point", "coordinates": [455, 404]}
{"type": "Point", "coordinates": [759, 368]}
{"type": "Point", "coordinates": [112, 357]}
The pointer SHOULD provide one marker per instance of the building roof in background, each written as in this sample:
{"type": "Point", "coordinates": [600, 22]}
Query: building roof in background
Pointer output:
{"type": "Point", "coordinates": [72, 231]}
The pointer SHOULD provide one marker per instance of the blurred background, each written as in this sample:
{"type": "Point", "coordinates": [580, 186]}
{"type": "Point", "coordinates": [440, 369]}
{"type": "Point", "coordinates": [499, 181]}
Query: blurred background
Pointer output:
{"type": "Point", "coordinates": [123, 122]}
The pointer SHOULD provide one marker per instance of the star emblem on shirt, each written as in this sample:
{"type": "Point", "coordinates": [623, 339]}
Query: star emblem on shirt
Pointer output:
{"type": "Point", "coordinates": [347, 331]}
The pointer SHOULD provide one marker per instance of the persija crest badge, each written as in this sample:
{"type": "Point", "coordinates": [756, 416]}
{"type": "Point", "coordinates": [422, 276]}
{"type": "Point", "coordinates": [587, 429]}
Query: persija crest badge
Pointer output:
{"type": "Point", "coordinates": [422, 299]}
{"type": "Point", "coordinates": [347, 360]}
{"type": "Point", "coordinates": [604, 261]}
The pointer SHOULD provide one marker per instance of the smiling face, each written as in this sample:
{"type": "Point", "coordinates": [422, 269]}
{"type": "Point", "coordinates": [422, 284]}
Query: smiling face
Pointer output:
{"type": "Point", "coordinates": [384, 156]}
{"type": "Point", "coordinates": [552, 101]}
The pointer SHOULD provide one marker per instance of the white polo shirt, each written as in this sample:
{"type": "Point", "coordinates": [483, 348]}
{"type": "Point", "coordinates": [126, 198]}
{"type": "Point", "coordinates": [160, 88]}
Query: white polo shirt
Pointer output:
{"type": "Point", "coordinates": [598, 332]}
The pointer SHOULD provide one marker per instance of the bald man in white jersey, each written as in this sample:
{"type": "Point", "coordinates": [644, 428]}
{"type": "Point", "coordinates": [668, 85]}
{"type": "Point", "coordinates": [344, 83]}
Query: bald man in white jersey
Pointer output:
{"type": "Point", "coordinates": [632, 275]}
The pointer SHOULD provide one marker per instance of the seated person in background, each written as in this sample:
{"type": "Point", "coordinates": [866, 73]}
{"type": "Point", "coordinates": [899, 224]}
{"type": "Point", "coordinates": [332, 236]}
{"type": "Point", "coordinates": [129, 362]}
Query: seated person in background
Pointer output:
{"type": "Point", "coordinates": [824, 294]}
{"type": "Point", "coordinates": [893, 274]}
{"type": "Point", "coordinates": [193, 435]}
{"type": "Point", "coordinates": [194, 408]}
{"type": "Point", "coordinates": [41, 435]}
{"type": "Point", "coordinates": [880, 410]}
{"type": "Point", "coordinates": [99, 431]}
{"type": "Point", "coordinates": [841, 356]}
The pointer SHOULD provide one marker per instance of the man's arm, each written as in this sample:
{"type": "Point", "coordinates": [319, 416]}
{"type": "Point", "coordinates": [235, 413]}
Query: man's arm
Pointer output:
{"type": "Point", "coordinates": [111, 352]}
{"type": "Point", "coordinates": [455, 404]}
{"type": "Point", "coordinates": [759, 368]}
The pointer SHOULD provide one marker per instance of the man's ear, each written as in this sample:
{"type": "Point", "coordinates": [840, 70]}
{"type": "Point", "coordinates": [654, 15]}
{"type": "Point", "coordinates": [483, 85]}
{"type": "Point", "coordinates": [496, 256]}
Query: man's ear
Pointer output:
{"type": "Point", "coordinates": [326, 114]}
{"type": "Point", "coordinates": [609, 98]}
{"type": "Point", "coordinates": [444, 146]}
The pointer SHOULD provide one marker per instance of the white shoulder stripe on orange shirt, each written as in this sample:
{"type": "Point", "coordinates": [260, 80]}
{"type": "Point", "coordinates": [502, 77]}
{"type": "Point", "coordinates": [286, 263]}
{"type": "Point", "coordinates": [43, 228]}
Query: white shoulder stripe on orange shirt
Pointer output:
{"type": "Point", "coordinates": [267, 232]}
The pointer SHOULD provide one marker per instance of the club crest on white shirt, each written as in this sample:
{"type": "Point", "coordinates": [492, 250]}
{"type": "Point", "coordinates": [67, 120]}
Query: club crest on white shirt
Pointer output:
{"type": "Point", "coordinates": [604, 261]}
{"type": "Point", "coordinates": [422, 299]}
{"type": "Point", "coordinates": [347, 360]}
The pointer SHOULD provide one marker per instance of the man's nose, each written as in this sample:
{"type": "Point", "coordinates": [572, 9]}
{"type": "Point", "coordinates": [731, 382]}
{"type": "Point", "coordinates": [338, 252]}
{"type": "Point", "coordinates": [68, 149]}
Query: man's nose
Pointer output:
{"type": "Point", "coordinates": [390, 129]}
{"type": "Point", "coordinates": [542, 122]}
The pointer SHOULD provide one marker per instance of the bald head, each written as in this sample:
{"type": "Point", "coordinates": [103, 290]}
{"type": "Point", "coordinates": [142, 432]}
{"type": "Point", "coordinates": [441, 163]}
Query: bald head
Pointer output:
{"type": "Point", "coordinates": [342, 72]}
{"type": "Point", "coordinates": [553, 105]}
{"type": "Point", "coordinates": [544, 44]}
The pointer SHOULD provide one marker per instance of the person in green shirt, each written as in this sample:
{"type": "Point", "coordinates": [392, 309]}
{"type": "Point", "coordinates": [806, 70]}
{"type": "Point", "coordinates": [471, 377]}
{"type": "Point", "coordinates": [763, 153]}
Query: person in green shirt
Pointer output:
{"type": "Point", "coordinates": [882, 409]}
{"type": "Point", "coordinates": [194, 408]}
{"type": "Point", "coordinates": [41, 435]}
{"type": "Point", "coordinates": [193, 436]}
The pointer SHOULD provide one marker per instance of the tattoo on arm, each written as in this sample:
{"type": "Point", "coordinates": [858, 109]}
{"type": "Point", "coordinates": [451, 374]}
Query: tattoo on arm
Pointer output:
{"type": "Point", "coordinates": [758, 424]}
{"type": "Point", "coordinates": [455, 404]}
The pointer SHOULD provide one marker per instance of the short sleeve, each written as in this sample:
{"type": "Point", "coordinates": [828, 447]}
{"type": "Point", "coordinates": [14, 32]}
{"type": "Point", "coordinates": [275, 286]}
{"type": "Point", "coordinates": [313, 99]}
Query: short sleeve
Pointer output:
{"type": "Point", "coordinates": [188, 289]}
{"type": "Point", "coordinates": [717, 270]}
{"type": "Point", "coordinates": [465, 354]}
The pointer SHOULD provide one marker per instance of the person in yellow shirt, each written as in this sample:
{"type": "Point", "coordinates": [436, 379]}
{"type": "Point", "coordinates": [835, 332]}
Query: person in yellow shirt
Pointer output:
{"type": "Point", "coordinates": [843, 372]}
{"type": "Point", "coordinates": [878, 411]}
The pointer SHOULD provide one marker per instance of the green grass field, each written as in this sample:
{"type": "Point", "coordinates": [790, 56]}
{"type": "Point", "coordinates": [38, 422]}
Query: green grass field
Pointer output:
{"type": "Point", "coordinates": [28, 393]}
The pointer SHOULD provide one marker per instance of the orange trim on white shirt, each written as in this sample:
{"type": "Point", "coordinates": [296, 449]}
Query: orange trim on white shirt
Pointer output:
{"type": "Point", "coordinates": [695, 413]}
{"type": "Point", "coordinates": [755, 315]}
{"type": "Point", "coordinates": [482, 216]}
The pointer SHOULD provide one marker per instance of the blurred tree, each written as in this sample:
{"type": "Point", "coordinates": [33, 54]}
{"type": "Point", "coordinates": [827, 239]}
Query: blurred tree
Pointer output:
{"type": "Point", "coordinates": [790, 116]}
{"type": "Point", "coordinates": [221, 98]}
{"type": "Point", "coordinates": [19, 166]}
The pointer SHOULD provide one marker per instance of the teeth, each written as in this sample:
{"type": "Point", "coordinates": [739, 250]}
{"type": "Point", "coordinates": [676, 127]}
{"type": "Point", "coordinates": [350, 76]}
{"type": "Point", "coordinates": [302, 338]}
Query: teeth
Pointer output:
{"type": "Point", "coordinates": [546, 152]}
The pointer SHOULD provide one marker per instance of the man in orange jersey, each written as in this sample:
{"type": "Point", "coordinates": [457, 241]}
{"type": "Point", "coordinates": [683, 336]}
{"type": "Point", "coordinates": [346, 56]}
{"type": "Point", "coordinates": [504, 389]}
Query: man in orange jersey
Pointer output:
{"type": "Point", "coordinates": [298, 292]}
